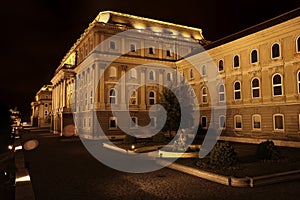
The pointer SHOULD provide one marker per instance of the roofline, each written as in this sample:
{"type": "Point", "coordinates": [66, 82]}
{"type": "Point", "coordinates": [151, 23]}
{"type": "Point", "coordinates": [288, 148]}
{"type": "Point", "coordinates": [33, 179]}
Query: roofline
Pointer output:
{"type": "Point", "coordinates": [256, 28]}
{"type": "Point", "coordinates": [149, 20]}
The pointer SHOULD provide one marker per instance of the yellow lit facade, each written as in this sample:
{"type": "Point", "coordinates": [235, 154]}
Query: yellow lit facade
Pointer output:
{"type": "Point", "coordinates": [42, 107]}
{"type": "Point", "coordinates": [260, 69]}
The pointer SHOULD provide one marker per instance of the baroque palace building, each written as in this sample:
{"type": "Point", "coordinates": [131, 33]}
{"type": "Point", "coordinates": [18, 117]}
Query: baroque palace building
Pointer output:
{"type": "Point", "coordinates": [256, 74]}
{"type": "Point", "coordinates": [41, 107]}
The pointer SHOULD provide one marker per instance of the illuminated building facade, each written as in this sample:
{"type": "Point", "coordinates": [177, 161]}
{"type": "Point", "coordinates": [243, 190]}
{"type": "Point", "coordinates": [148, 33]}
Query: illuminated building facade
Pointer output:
{"type": "Point", "coordinates": [41, 107]}
{"type": "Point", "coordinates": [259, 68]}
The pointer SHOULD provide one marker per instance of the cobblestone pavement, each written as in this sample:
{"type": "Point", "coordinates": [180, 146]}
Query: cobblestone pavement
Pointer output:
{"type": "Point", "coordinates": [63, 169]}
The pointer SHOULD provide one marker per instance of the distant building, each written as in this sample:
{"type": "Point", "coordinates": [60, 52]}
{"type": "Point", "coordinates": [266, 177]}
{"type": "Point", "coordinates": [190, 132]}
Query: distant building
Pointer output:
{"type": "Point", "coordinates": [259, 69]}
{"type": "Point", "coordinates": [41, 107]}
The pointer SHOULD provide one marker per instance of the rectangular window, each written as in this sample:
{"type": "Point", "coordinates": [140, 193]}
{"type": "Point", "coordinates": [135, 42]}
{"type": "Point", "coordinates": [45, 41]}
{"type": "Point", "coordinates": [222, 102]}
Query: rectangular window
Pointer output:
{"type": "Point", "coordinates": [222, 122]}
{"type": "Point", "coordinates": [133, 122]}
{"type": "Point", "coordinates": [112, 45]}
{"type": "Point", "coordinates": [278, 121]}
{"type": "Point", "coordinates": [238, 122]}
{"type": "Point", "coordinates": [256, 122]}
{"type": "Point", "coordinates": [168, 52]}
{"type": "Point", "coordinates": [112, 123]}
{"type": "Point", "coordinates": [151, 50]}
{"type": "Point", "coordinates": [153, 122]}
{"type": "Point", "coordinates": [203, 122]}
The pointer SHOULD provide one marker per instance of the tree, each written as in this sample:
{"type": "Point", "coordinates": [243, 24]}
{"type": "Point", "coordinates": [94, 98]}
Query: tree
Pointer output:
{"type": "Point", "coordinates": [173, 106]}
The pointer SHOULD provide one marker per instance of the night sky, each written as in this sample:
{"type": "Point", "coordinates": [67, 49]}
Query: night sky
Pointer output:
{"type": "Point", "coordinates": [36, 34]}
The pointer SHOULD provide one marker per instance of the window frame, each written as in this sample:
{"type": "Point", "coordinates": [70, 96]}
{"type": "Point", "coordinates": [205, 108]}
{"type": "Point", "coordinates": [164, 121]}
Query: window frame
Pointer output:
{"type": "Point", "coordinates": [219, 62]}
{"type": "Point", "coordinates": [238, 62]}
{"type": "Point", "coordinates": [235, 122]}
{"type": "Point", "coordinates": [298, 81]}
{"type": "Point", "coordinates": [251, 56]}
{"type": "Point", "coordinates": [224, 125]}
{"type": "Point", "coordinates": [221, 93]}
{"type": "Point", "coordinates": [204, 117]}
{"type": "Point", "coordinates": [113, 96]}
{"type": "Point", "coordinates": [255, 88]}
{"type": "Point", "coordinates": [277, 85]}
{"type": "Point", "coordinates": [235, 91]}
{"type": "Point", "coordinates": [110, 123]}
{"type": "Point", "coordinates": [152, 98]}
{"type": "Point", "coordinates": [272, 50]}
{"type": "Point", "coordinates": [132, 50]}
{"type": "Point", "coordinates": [112, 45]}
{"type": "Point", "coordinates": [204, 95]}
{"type": "Point", "coordinates": [135, 125]}
{"type": "Point", "coordinates": [253, 122]}
{"type": "Point", "coordinates": [274, 123]}
{"type": "Point", "coordinates": [298, 44]}
{"type": "Point", "coordinates": [133, 97]}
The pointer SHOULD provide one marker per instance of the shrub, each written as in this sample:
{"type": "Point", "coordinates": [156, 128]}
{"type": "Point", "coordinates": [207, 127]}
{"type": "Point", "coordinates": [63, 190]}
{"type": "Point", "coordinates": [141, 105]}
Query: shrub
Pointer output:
{"type": "Point", "coordinates": [159, 137]}
{"type": "Point", "coordinates": [267, 151]}
{"type": "Point", "coordinates": [129, 139]}
{"type": "Point", "coordinates": [222, 156]}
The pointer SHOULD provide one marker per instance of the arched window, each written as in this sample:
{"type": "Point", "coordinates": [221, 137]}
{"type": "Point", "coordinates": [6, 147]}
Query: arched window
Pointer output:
{"type": "Point", "coordinates": [222, 122]}
{"type": "Point", "coordinates": [221, 65]}
{"type": "Point", "coordinates": [203, 70]}
{"type": "Point", "coordinates": [238, 123]}
{"type": "Point", "coordinates": [277, 85]}
{"type": "Point", "coordinates": [191, 74]}
{"type": "Point", "coordinates": [237, 90]}
{"type": "Point", "coordinates": [298, 44]}
{"type": "Point", "coordinates": [112, 72]}
{"type": "Point", "coordinates": [132, 48]}
{"type": "Point", "coordinates": [298, 77]}
{"type": "Point", "coordinates": [133, 73]}
{"type": "Point", "coordinates": [152, 98]}
{"type": "Point", "coordinates": [151, 75]}
{"type": "Point", "coordinates": [133, 98]}
{"type": "Point", "coordinates": [275, 50]}
{"type": "Point", "coordinates": [236, 61]}
{"type": "Point", "coordinates": [256, 122]}
{"type": "Point", "coordinates": [112, 96]}
{"type": "Point", "coordinates": [254, 56]}
{"type": "Point", "coordinates": [204, 95]}
{"type": "Point", "coordinates": [169, 77]}
{"type": "Point", "coordinates": [255, 86]}
{"type": "Point", "coordinates": [221, 93]}
{"type": "Point", "coordinates": [151, 50]}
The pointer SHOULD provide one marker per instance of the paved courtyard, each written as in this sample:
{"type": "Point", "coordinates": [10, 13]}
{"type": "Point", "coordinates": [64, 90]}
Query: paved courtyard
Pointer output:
{"type": "Point", "coordinates": [63, 169]}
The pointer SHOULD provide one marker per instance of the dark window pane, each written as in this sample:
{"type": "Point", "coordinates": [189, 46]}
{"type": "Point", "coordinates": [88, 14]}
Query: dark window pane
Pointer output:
{"type": "Point", "coordinates": [277, 79]}
{"type": "Point", "coordinates": [256, 93]}
{"type": "Point", "coordinates": [278, 122]}
{"type": "Point", "coordinates": [255, 83]}
{"type": "Point", "coordinates": [254, 56]}
{"type": "Point", "coordinates": [277, 90]}
{"type": "Point", "coordinates": [275, 51]}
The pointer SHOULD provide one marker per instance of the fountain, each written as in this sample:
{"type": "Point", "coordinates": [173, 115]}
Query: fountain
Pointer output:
{"type": "Point", "coordinates": [179, 149]}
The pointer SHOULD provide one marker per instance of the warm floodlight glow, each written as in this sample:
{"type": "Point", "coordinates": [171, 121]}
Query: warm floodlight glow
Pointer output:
{"type": "Point", "coordinates": [10, 147]}
{"type": "Point", "coordinates": [23, 179]}
{"type": "Point", "coordinates": [18, 148]}
{"type": "Point", "coordinates": [132, 146]}
{"type": "Point", "coordinates": [139, 26]}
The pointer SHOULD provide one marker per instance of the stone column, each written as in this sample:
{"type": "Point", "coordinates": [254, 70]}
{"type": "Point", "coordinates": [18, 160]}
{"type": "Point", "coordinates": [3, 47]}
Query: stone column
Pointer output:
{"type": "Point", "coordinates": [123, 88]}
{"type": "Point", "coordinates": [143, 89]}
{"type": "Point", "coordinates": [161, 80]}
{"type": "Point", "coordinates": [101, 68]}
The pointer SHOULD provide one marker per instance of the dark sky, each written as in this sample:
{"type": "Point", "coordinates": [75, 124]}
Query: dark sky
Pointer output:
{"type": "Point", "coordinates": [36, 34]}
